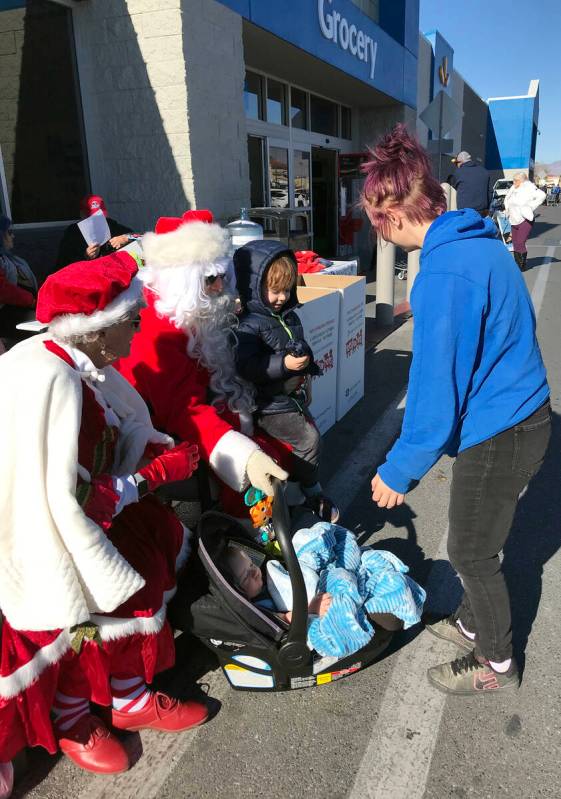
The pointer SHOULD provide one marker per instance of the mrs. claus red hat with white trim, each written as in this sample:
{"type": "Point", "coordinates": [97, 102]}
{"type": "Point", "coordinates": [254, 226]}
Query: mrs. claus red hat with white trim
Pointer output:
{"type": "Point", "coordinates": [90, 295]}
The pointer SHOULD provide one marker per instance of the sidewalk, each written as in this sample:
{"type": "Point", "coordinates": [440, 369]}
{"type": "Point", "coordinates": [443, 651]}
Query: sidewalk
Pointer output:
{"type": "Point", "coordinates": [374, 333]}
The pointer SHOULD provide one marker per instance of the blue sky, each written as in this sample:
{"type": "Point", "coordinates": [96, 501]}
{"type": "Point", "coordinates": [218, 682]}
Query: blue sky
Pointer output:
{"type": "Point", "coordinates": [499, 47]}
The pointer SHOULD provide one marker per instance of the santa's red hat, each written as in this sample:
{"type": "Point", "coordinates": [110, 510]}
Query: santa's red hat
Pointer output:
{"type": "Point", "coordinates": [90, 295]}
{"type": "Point", "coordinates": [192, 240]}
{"type": "Point", "coordinates": [166, 224]}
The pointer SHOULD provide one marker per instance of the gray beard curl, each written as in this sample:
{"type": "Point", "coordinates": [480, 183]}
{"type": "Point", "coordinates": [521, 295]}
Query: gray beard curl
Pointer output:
{"type": "Point", "coordinates": [211, 342]}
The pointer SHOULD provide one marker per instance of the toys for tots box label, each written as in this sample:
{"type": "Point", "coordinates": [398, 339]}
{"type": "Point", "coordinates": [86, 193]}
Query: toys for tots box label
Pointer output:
{"type": "Point", "coordinates": [320, 319]}
{"type": "Point", "coordinates": [350, 367]}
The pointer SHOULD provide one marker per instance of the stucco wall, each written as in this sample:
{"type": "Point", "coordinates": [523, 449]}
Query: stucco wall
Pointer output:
{"type": "Point", "coordinates": [11, 47]}
{"type": "Point", "coordinates": [163, 133]}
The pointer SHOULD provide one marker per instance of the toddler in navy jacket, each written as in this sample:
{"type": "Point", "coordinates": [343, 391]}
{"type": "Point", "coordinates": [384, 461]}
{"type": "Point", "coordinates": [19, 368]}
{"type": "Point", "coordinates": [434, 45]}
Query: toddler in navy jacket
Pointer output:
{"type": "Point", "coordinates": [273, 355]}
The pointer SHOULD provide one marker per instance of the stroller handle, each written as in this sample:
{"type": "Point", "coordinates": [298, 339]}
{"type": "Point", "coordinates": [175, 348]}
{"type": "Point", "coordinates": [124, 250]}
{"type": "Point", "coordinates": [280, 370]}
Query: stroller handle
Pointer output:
{"type": "Point", "coordinates": [295, 651]}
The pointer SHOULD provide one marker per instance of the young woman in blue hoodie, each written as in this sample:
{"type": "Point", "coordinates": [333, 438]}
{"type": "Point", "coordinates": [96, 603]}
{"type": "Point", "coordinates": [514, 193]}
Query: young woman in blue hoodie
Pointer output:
{"type": "Point", "coordinates": [477, 391]}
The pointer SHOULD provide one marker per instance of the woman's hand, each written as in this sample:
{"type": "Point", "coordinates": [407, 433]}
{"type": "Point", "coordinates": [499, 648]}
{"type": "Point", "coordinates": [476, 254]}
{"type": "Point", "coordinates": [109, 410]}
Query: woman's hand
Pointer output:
{"type": "Point", "coordinates": [384, 496]}
{"type": "Point", "coordinates": [92, 251]}
{"type": "Point", "coordinates": [119, 241]}
{"type": "Point", "coordinates": [296, 364]}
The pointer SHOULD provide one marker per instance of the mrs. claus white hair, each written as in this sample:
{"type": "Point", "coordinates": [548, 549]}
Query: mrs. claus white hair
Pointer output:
{"type": "Point", "coordinates": [176, 266]}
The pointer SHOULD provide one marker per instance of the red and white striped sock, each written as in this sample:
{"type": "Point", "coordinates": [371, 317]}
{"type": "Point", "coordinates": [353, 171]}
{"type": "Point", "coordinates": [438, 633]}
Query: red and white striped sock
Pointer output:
{"type": "Point", "coordinates": [67, 710]}
{"type": "Point", "coordinates": [129, 694]}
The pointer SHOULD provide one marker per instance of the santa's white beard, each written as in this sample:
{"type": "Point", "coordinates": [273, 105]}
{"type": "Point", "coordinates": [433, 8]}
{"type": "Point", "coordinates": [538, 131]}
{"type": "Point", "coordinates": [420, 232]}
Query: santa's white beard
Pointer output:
{"type": "Point", "coordinates": [207, 320]}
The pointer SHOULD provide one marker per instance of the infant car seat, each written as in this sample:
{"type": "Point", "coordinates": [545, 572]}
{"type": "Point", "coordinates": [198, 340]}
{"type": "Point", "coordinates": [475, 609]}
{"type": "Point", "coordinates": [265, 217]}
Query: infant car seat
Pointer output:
{"type": "Point", "coordinates": [258, 650]}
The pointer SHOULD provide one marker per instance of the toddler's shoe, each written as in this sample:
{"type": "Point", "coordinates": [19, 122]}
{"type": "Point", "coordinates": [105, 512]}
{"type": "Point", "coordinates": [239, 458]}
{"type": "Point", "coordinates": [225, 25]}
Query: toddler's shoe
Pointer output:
{"type": "Point", "coordinates": [323, 507]}
{"type": "Point", "coordinates": [163, 713]}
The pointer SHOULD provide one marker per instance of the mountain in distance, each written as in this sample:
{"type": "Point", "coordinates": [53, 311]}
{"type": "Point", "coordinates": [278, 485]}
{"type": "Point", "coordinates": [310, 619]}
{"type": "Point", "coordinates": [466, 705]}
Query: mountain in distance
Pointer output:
{"type": "Point", "coordinates": [548, 169]}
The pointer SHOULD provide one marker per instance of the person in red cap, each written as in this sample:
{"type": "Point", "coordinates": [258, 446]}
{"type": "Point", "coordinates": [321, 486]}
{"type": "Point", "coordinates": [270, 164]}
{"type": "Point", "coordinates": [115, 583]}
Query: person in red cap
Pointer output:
{"type": "Point", "coordinates": [88, 554]}
{"type": "Point", "coordinates": [182, 360]}
{"type": "Point", "coordinates": [73, 247]}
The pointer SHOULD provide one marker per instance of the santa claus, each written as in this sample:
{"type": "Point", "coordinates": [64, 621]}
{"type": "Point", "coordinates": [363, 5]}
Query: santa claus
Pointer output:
{"type": "Point", "coordinates": [181, 361]}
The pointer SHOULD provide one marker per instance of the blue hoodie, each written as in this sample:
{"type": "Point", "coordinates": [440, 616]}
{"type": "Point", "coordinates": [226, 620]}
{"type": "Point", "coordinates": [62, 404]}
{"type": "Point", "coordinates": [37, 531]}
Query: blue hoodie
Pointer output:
{"type": "Point", "coordinates": [477, 368]}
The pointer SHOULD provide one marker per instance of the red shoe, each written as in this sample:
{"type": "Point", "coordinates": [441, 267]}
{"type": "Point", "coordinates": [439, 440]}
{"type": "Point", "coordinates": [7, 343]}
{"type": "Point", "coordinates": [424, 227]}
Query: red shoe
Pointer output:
{"type": "Point", "coordinates": [91, 746]}
{"type": "Point", "coordinates": [163, 713]}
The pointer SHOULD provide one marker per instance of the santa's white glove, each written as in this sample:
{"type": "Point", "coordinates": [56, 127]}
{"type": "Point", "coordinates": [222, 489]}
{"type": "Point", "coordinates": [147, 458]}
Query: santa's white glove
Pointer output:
{"type": "Point", "coordinates": [260, 468]}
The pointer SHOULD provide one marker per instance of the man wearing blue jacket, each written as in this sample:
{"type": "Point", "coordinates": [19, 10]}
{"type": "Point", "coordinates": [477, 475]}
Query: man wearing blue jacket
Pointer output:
{"type": "Point", "coordinates": [477, 391]}
{"type": "Point", "coordinates": [472, 183]}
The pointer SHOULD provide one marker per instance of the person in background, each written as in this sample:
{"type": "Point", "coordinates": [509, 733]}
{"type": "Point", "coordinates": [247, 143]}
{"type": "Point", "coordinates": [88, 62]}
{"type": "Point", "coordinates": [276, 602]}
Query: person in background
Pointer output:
{"type": "Point", "coordinates": [73, 246]}
{"type": "Point", "coordinates": [472, 183]}
{"type": "Point", "coordinates": [477, 391]}
{"type": "Point", "coordinates": [18, 285]}
{"type": "Point", "coordinates": [521, 201]}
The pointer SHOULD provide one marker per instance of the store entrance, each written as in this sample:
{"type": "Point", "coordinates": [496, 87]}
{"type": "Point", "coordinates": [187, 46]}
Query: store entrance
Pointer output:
{"type": "Point", "coordinates": [324, 201]}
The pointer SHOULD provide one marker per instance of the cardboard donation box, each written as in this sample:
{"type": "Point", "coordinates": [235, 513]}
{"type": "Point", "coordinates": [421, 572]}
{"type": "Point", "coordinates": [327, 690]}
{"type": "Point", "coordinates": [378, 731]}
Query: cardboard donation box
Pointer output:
{"type": "Point", "coordinates": [351, 292]}
{"type": "Point", "coordinates": [320, 319]}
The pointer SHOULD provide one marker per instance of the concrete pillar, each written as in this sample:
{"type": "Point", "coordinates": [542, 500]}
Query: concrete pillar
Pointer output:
{"type": "Point", "coordinates": [412, 270]}
{"type": "Point", "coordinates": [450, 195]}
{"type": "Point", "coordinates": [385, 276]}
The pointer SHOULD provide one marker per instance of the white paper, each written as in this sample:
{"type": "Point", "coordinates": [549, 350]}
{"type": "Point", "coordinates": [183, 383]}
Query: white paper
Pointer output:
{"type": "Point", "coordinates": [95, 229]}
{"type": "Point", "coordinates": [33, 326]}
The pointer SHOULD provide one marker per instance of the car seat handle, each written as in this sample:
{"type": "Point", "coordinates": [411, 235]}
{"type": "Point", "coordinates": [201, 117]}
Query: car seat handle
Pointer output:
{"type": "Point", "coordinates": [298, 633]}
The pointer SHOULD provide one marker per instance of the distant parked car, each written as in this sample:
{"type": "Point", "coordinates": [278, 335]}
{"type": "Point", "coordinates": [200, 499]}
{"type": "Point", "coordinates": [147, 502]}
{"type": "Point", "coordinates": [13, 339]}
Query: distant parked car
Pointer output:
{"type": "Point", "coordinates": [499, 193]}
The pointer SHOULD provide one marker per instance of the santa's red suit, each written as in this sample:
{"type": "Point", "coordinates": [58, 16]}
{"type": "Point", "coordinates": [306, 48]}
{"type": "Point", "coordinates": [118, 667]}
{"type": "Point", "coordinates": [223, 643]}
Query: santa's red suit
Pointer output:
{"type": "Point", "coordinates": [173, 377]}
{"type": "Point", "coordinates": [86, 567]}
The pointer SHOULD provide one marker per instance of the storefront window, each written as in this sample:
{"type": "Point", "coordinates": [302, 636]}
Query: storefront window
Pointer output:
{"type": "Point", "coordinates": [255, 148]}
{"type": "Point", "coordinates": [346, 129]}
{"type": "Point", "coordinates": [298, 109]}
{"type": "Point", "coordinates": [323, 116]}
{"type": "Point", "coordinates": [253, 96]}
{"type": "Point", "coordinates": [278, 176]}
{"type": "Point", "coordinates": [276, 102]}
{"type": "Point", "coordinates": [301, 168]}
{"type": "Point", "coordinates": [41, 131]}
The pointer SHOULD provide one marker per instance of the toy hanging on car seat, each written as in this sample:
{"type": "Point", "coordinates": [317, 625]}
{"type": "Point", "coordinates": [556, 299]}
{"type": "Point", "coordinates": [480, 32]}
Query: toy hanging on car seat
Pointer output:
{"type": "Point", "coordinates": [261, 513]}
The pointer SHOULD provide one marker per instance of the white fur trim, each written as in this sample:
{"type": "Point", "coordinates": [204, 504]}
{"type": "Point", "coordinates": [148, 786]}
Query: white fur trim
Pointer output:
{"type": "Point", "coordinates": [26, 675]}
{"type": "Point", "coordinates": [69, 325]}
{"type": "Point", "coordinates": [192, 243]}
{"type": "Point", "coordinates": [112, 628]}
{"type": "Point", "coordinates": [230, 456]}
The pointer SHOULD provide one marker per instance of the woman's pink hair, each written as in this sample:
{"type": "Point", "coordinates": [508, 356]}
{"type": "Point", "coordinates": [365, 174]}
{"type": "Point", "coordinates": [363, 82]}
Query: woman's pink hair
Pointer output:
{"type": "Point", "coordinates": [398, 177]}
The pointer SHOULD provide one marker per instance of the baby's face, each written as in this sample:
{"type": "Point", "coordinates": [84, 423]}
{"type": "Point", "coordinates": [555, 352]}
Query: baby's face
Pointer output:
{"type": "Point", "coordinates": [247, 574]}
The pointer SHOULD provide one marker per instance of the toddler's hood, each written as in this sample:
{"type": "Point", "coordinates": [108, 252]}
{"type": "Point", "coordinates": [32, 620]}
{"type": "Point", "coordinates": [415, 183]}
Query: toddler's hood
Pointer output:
{"type": "Point", "coordinates": [251, 262]}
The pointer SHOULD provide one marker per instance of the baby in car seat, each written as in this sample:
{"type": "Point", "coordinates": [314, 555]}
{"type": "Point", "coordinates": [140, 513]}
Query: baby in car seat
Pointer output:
{"type": "Point", "coordinates": [247, 577]}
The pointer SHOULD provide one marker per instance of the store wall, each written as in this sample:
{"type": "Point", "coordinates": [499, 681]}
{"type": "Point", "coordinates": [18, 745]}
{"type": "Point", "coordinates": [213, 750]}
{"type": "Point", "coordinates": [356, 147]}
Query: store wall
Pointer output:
{"type": "Point", "coordinates": [161, 86]}
{"type": "Point", "coordinates": [511, 141]}
{"type": "Point", "coordinates": [339, 34]}
{"type": "Point", "coordinates": [40, 129]}
{"type": "Point", "coordinates": [214, 58]}
{"type": "Point", "coordinates": [11, 52]}
{"type": "Point", "coordinates": [424, 72]}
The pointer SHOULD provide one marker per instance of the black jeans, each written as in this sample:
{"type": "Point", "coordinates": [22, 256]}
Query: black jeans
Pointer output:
{"type": "Point", "coordinates": [486, 484]}
{"type": "Point", "coordinates": [298, 430]}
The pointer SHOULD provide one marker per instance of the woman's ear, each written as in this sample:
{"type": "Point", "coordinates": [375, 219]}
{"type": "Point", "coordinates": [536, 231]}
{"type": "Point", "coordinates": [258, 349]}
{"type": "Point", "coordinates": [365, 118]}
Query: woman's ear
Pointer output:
{"type": "Point", "coordinates": [394, 218]}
